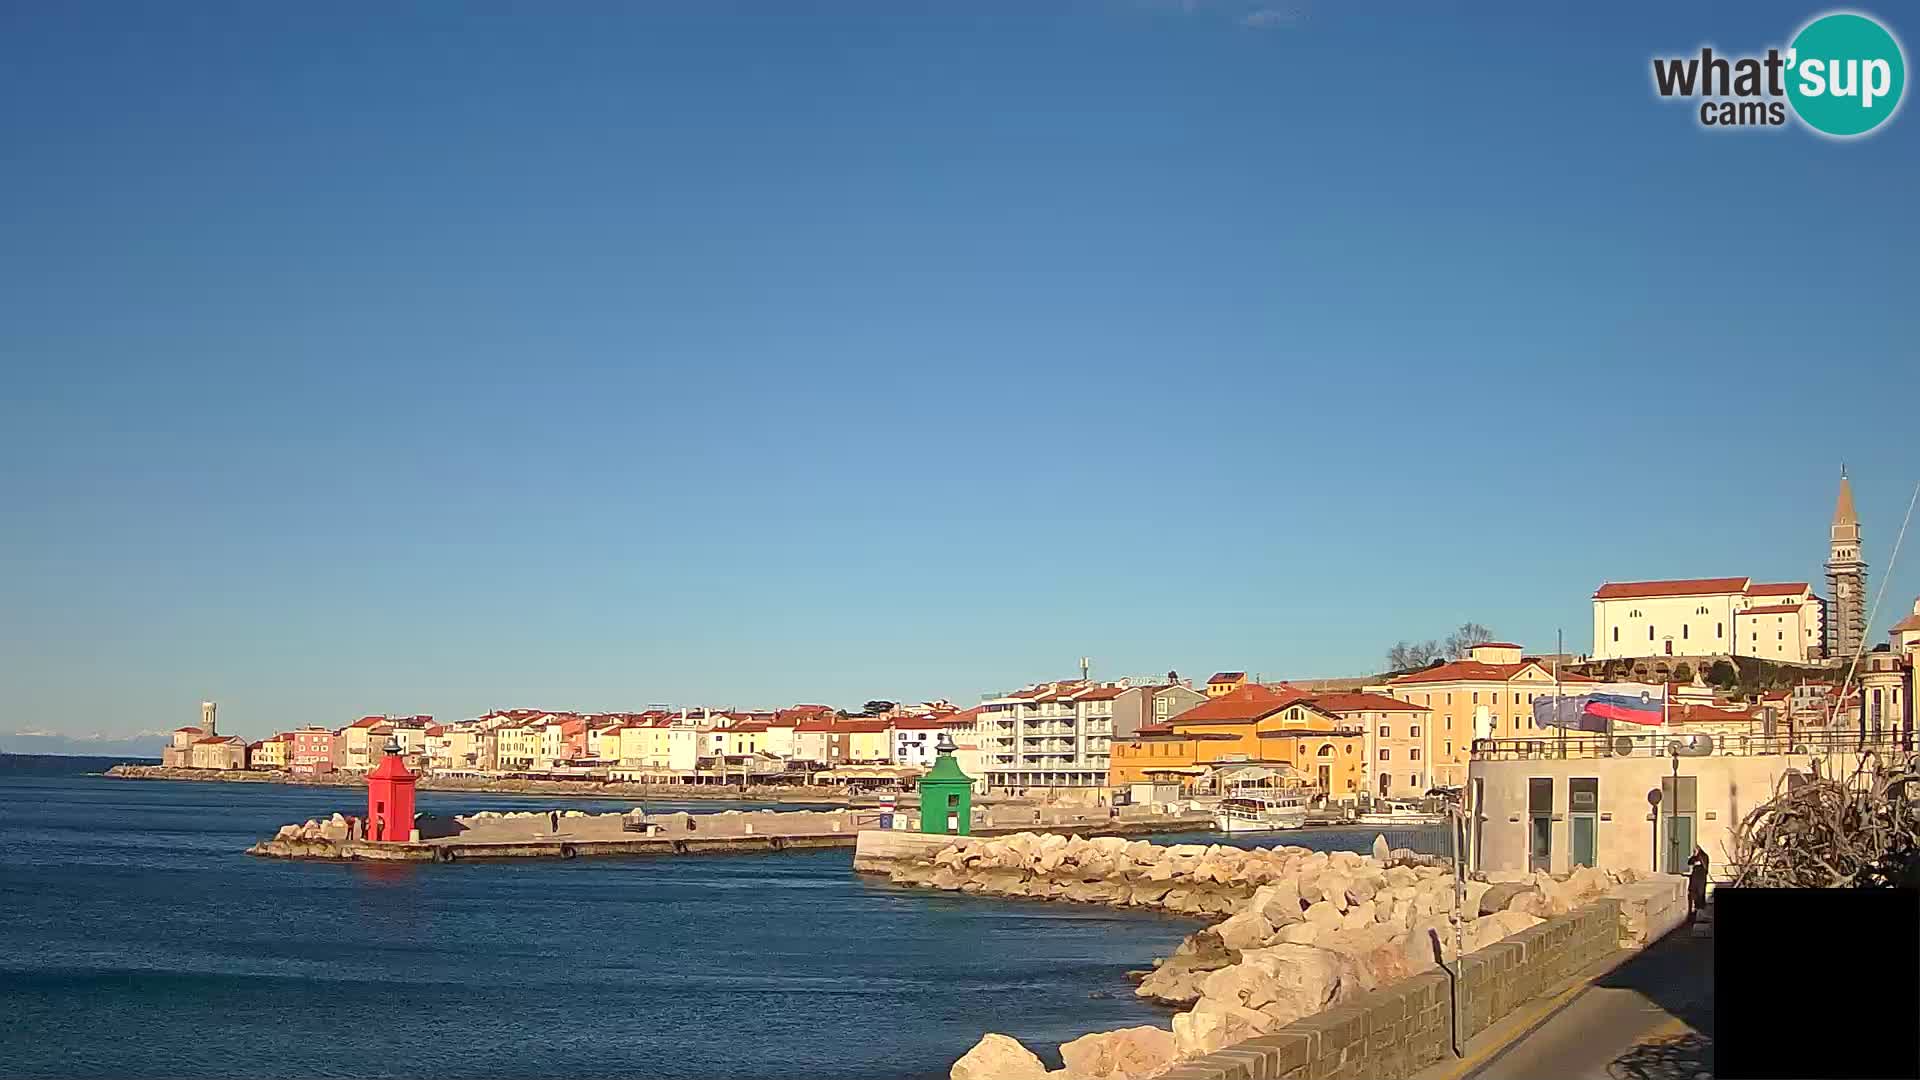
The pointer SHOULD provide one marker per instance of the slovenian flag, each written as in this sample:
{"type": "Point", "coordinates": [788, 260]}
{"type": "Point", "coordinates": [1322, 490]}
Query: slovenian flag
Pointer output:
{"type": "Point", "coordinates": [1627, 703]}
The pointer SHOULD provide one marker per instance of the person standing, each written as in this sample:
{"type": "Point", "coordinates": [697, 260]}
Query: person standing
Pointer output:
{"type": "Point", "coordinates": [1696, 882]}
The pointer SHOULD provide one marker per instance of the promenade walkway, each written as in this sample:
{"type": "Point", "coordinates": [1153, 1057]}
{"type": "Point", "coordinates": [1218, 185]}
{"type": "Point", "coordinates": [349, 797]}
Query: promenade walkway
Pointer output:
{"type": "Point", "coordinates": [1649, 1019]}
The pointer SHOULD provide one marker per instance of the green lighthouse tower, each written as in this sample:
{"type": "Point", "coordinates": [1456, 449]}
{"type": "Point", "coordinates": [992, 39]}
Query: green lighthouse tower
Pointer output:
{"type": "Point", "coordinates": [946, 794]}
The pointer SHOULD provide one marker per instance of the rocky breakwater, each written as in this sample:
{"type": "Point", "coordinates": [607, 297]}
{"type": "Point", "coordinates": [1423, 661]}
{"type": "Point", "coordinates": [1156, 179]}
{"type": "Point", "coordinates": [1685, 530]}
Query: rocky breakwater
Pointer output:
{"type": "Point", "coordinates": [1303, 931]}
{"type": "Point", "coordinates": [316, 838]}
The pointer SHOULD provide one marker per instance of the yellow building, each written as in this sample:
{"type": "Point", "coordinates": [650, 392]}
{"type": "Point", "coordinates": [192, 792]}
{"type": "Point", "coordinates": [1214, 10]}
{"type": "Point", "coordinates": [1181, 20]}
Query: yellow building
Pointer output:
{"type": "Point", "coordinates": [268, 753]}
{"type": "Point", "coordinates": [1153, 752]}
{"type": "Point", "coordinates": [1490, 693]}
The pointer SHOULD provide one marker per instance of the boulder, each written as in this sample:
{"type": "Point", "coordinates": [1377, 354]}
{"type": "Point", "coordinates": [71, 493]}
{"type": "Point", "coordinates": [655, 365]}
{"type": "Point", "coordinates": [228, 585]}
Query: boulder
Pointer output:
{"type": "Point", "coordinates": [998, 1057]}
{"type": "Point", "coordinates": [1362, 889]}
{"type": "Point", "coordinates": [1381, 852]}
{"type": "Point", "coordinates": [1148, 893]}
{"type": "Point", "coordinates": [1247, 930]}
{"type": "Point", "coordinates": [1285, 981]}
{"type": "Point", "coordinates": [1359, 916]}
{"type": "Point", "coordinates": [1417, 948]}
{"type": "Point", "coordinates": [1279, 903]}
{"type": "Point", "coordinates": [1301, 933]}
{"type": "Point", "coordinates": [1211, 1026]}
{"type": "Point", "coordinates": [1324, 914]}
{"type": "Point", "coordinates": [1497, 897]}
{"type": "Point", "coordinates": [1333, 887]}
{"type": "Point", "coordinates": [1133, 1053]}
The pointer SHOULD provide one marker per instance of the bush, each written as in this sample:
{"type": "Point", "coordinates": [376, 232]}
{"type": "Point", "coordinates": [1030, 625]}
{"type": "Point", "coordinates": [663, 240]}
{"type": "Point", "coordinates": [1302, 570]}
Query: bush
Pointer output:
{"type": "Point", "coordinates": [1723, 674]}
{"type": "Point", "coordinates": [1683, 673]}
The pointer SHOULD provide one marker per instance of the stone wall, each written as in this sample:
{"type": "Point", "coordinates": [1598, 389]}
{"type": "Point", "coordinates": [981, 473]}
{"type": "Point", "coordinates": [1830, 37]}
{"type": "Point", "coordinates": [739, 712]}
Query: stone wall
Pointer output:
{"type": "Point", "coordinates": [1395, 1031]}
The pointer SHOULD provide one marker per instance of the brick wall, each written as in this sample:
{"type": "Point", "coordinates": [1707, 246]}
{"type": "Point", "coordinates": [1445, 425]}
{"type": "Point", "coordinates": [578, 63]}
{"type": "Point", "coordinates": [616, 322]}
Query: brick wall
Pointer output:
{"type": "Point", "coordinates": [1396, 1031]}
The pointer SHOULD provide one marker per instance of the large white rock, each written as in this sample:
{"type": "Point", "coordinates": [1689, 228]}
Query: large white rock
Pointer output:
{"type": "Point", "coordinates": [1324, 914]}
{"type": "Point", "coordinates": [1380, 849]}
{"type": "Point", "coordinates": [1285, 981]}
{"type": "Point", "coordinates": [1247, 930]}
{"type": "Point", "coordinates": [1301, 933]}
{"type": "Point", "coordinates": [1358, 916]}
{"type": "Point", "coordinates": [998, 1057]}
{"type": "Point", "coordinates": [1133, 1053]}
{"type": "Point", "coordinates": [1213, 1025]}
{"type": "Point", "coordinates": [1279, 903]}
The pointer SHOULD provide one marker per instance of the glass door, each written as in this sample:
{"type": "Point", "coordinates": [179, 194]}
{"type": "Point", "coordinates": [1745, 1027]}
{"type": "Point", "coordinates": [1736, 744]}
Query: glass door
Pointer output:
{"type": "Point", "coordinates": [1584, 835]}
{"type": "Point", "coordinates": [1679, 842]}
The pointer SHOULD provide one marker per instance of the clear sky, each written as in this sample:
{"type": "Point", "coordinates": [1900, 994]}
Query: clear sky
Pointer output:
{"type": "Point", "coordinates": [608, 354]}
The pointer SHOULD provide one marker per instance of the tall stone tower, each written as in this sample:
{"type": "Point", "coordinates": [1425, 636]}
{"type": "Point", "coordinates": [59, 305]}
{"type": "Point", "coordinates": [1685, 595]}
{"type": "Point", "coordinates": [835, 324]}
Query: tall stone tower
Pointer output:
{"type": "Point", "coordinates": [1846, 579]}
{"type": "Point", "coordinates": [207, 711]}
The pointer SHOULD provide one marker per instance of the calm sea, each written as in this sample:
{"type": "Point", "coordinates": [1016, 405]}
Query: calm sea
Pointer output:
{"type": "Point", "coordinates": [137, 940]}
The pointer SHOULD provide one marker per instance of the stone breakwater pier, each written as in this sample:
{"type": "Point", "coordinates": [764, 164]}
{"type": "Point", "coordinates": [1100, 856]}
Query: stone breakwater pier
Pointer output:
{"type": "Point", "coordinates": [567, 834]}
{"type": "Point", "coordinates": [1325, 964]}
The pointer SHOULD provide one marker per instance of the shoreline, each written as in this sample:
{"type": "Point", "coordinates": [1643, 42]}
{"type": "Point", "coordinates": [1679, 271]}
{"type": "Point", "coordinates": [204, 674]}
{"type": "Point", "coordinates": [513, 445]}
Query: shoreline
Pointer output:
{"type": "Point", "coordinates": [576, 789]}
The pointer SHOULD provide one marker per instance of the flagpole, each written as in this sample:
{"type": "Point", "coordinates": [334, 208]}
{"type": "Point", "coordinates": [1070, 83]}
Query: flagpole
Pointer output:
{"type": "Point", "coordinates": [1559, 647]}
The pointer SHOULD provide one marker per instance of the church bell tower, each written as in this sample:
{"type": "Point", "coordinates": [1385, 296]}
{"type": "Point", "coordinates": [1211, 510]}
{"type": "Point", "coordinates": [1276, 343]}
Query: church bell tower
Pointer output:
{"type": "Point", "coordinates": [1846, 619]}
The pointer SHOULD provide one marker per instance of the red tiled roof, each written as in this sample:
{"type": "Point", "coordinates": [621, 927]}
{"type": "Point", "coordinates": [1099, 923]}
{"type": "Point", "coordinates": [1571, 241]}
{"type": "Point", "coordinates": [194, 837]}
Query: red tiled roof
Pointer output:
{"type": "Point", "coordinates": [750, 725]}
{"type": "Point", "coordinates": [1245, 705]}
{"type": "Point", "coordinates": [1631, 590]}
{"type": "Point", "coordinates": [368, 721]}
{"type": "Point", "coordinates": [817, 723]}
{"type": "Point", "coordinates": [860, 726]}
{"type": "Point", "coordinates": [188, 731]}
{"type": "Point", "coordinates": [1496, 645]}
{"type": "Point", "coordinates": [211, 739]}
{"type": "Point", "coordinates": [1476, 671]}
{"type": "Point", "coordinates": [1360, 701]}
{"type": "Point", "coordinates": [961, 718]}
{"type": "Point", "coordinates": [1100, 693]}
{"type": "Point", "coordinates": [437, 730]}
{"type": "Point", "coordinates": [1911, 622]}
{"type": "Point", "coordinates": [1770, 609]}
{"type": "Point", "coordinates": [1778, 588]}
{"type": "Point", "coordinates": [1154, 729]}
{"type": "Point", "coordinates": [921, 723]}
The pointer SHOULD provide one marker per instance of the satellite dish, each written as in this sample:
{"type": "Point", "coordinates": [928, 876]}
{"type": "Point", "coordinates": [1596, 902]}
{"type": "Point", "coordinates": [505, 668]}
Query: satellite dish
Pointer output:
{"type": "Point", "coordinates": [1623, 746]}
{"type": "Point", "coordinates": [1691, 746]}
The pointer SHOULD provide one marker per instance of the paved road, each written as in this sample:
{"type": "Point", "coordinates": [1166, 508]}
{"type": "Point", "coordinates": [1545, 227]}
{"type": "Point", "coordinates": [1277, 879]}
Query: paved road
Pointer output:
{"type": "Point", "coordinates": [1651, 1019]}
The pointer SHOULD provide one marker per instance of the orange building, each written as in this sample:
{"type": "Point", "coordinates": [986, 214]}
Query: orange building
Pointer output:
{"type": "Point", "coordinates": [1488, 695]}
{"type": "Point", "coordinates": [1255, 725]}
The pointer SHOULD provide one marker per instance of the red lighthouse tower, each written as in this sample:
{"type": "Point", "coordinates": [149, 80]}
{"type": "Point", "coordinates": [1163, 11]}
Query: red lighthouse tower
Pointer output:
{"type": "Point", "coordinates": [390, 798]}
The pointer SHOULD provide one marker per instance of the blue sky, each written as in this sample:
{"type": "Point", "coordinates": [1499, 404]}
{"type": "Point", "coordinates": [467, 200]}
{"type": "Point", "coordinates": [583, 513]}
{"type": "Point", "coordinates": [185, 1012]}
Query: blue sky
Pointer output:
{"type": "Point", "coordinates": [477, 355]}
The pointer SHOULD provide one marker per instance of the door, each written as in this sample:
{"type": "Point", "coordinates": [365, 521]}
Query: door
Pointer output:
{"type": "Point", "coordinates": [1679, 842]}
{"type": "Point", "coordinates": [1540, 823]}
{"type": "Point", "coordinates": [1326, 779]}
{"type": "Point", "coordinates": [1584, 836]}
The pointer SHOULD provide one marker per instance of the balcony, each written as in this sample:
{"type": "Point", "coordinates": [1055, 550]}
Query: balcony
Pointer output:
{"type": "Point", "coordinates": [1690, 745]}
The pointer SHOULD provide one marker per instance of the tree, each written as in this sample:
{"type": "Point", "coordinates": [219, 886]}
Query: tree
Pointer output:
{"type": "Point", "coordinates": [876, 707]}
{"type": "Point", "coordinates": [1465, 638]}
{"type": "Point", "coordinates": [1723, 675]}
{"type": "Point", "coordinates": [1683, 673]}
{"type": "Point", "coordinates": [1412, 655]}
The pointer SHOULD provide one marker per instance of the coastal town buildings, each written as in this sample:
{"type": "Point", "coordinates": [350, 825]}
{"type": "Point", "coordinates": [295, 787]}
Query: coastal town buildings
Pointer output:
{"type": "Point", "coordinates": [1225, 682]}
{"type": "Point", "coordinates": [269, 753]}
{"type": "Point", "coordinates": [314, 750]}
{"type": "Point", "coordinates": [1280, 727]}
{"type": "Point", "coordinates": [218, 752]}
{"type": "Point", "coordinates": [1488, 694]}
{"type": "Point", "coordinates": [1050, 735]}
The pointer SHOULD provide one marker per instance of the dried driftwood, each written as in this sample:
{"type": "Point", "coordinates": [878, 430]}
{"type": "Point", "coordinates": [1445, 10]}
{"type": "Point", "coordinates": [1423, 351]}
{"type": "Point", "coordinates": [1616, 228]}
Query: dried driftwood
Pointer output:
{"type": "Point", "coordinates": [1859, 831]}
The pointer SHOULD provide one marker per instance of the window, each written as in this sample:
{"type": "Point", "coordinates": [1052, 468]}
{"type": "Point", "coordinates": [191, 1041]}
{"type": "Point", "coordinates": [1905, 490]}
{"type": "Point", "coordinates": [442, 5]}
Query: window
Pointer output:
{"type": "Point", "coordinates": [1385, 754]}
{"type": "Point", "coordinates": [1449, 747]}
{"type": "Point", "coordinates": [1386, 732]}
{"type": "Point", "coordinates": [1325, 751]}
{"type": "Point", "coordinates": [1616, 633]}
{"type": "Point", "coordinates": [1717, 628]}
{"type": "Point", "coordinates": [1414, 754]}
{"type": "Point", "coordinates": [1701, 610]}
{"type": "Point", "coordinates": [1649, 631]}
{"type": "Point", "coordinates": [1476, 697]}
{"type": "Point", "coordinates": [1683, 631]}
{"type": "Point", "coordinates": [1449, 699]}
{"type": "Point", "coordinates": [1413, 732]}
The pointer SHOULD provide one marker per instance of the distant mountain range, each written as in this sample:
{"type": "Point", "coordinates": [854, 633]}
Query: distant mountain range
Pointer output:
{"type": "Point", "coordinates": [37, 742]}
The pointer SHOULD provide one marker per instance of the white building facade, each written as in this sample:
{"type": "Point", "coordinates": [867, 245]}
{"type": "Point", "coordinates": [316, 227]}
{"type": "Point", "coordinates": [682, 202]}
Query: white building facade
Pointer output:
{"type": "Point", "coordinates": [1708, 617]}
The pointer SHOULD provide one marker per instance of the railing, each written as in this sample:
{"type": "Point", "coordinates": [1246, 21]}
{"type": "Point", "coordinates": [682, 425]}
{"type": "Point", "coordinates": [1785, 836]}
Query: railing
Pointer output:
{"type": "Point", "coordinates": [1697, 744]}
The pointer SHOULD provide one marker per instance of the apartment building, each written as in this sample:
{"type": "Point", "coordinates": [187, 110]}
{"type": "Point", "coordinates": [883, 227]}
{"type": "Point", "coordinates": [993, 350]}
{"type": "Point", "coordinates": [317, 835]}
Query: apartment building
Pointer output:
{"type": "Point", "coordinates": [1054, 734]}
{"type": "Point", "coordinates": [1489, 694]}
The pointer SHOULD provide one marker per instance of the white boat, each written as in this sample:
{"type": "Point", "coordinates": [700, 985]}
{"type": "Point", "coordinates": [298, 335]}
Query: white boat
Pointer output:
{"type": "Point", "coordinates": [1244, 812]}
{"type": "Point", "coordinates": [1397, 813]}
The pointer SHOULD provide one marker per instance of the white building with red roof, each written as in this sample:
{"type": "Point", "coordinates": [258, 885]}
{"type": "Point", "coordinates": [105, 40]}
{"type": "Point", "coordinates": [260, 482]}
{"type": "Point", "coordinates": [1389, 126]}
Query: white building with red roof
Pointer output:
{"type": "Point", "coordinates": [1727, 616]}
